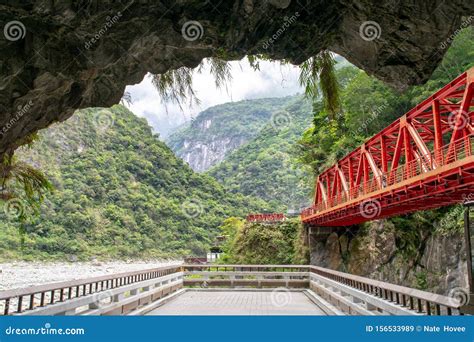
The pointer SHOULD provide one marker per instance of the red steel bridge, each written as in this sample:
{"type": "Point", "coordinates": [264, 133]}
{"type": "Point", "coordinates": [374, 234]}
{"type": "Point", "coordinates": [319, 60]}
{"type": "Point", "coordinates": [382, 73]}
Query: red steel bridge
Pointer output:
{"type": "Point", "coordinates": [272, 217]}
{"type": "Point", "coordinates": [423, 160]}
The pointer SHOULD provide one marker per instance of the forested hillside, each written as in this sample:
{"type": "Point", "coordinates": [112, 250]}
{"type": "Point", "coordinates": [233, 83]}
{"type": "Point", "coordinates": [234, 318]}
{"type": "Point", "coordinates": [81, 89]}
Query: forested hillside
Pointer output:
{"type": "Point", "coordinates": [368, 106]}
{"type": "Point", "coordinates": [265, 166]}
{"type": "Point", "coordinates": [405, 249]}
{"type": "Point", "coordinates": [119, 192]}
{"type": "Point", "coordinates": [221, 129]}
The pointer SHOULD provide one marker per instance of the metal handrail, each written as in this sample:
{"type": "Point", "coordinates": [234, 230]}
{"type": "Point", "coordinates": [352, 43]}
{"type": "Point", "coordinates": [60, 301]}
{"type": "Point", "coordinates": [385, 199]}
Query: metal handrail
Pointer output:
{"type": "Point", "coordinates": [463, 148]}
{"type": "Point", "coordinates": [273, 217]}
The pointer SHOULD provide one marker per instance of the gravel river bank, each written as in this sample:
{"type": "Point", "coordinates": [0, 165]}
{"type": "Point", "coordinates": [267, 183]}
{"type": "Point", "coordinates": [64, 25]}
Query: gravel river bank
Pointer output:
{"type": "Point", "coordinates": [24, 274]}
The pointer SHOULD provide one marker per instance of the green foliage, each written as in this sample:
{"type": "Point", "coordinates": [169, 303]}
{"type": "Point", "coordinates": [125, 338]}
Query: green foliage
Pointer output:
{"type": "Point", "coordinates": [421, 280]}
{"type": "Point", "coordinates": [318, 77]}
{"type": "Point", "coordinates": [266, 243]}
{"type": "Point", "coordinates": [20, 180]}
{"type": "Point", "coordinates": [176, 85]}
{"type": "Point", "coordinates": [265, 166]}
{"type": "Point", "coordinates": [301, 253]}
{"type": "Point", "coordinates": [230, 228]}
{"type": "Point", "coordinates": [120, 193]}
{"type": "Point", "coordinates": [234, 122]}
{"type": "Point", "coordinates": [368, 106]}
{"type": "Point", "coordinates": [22, 188]}
{"type": "Point", "coordinates": [16, 175]}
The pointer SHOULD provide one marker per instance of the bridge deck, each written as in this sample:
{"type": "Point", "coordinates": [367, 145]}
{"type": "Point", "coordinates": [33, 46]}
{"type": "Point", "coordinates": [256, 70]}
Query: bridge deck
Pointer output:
{"type": "Point", "coordinates": [239, 303]}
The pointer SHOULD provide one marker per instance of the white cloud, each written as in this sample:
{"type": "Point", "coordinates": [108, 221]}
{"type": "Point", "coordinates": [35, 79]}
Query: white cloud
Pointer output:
{"type": "Point", "coordinates": [272, 80]}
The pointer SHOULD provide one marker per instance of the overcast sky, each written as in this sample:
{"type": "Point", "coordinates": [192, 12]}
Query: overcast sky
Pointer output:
{"type": "Point", "coordinates": [273, 80]}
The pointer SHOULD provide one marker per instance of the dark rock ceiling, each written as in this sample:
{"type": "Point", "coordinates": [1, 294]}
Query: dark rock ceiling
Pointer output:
{"type": "Point", "coordinates": [58, 56]}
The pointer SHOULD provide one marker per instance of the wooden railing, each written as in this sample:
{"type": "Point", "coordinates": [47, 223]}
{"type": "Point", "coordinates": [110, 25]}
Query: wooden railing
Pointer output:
{"type": "Point", "coordinates": [140, 291]}
{"type": "Point", "coordinates": [258, 276]}
{"type": "Point", "coordinates": [26, 299]}
{"type": "Point", "coordinates": [413, 300]}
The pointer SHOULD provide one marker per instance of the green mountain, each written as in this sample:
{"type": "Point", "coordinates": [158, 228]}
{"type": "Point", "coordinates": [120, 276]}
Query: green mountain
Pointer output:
{"type": "Point", "coordinates": [119, 192]}
{"type": "Point", "coordinates": [265, 167]}
{"type": "Point", "coordinates": [221, 129]}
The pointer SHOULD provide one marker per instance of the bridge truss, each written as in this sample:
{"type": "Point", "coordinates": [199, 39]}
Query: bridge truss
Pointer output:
{"type": "Point", "coordinates": [421, 161]}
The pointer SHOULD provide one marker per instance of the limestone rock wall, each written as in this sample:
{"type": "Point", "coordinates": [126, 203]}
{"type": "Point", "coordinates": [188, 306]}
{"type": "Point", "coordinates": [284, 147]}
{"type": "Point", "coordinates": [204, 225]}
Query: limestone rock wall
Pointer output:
{"type": "Point", "coordinates": [202, 155]}
{"type": "Point", "coordinates": [58, 56]}
{"type": "Point", "coordinates": [435, 263]}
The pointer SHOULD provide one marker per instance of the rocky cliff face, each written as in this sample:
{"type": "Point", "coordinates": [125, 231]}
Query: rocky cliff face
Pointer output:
{"type": "Point", "coordinates": [201, 156]}
{"type": "Point", "coordinates": [435, 262]}
{"type": "Point", "coordinates": [58, 56]}
{"type": "Point", "coordinates": [219, 130]}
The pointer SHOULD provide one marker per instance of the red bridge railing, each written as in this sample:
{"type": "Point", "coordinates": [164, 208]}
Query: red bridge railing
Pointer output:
{"type": "Point", "coordinates": [421, 161]}
{"type": "Point", "coordinates": [274, 217]}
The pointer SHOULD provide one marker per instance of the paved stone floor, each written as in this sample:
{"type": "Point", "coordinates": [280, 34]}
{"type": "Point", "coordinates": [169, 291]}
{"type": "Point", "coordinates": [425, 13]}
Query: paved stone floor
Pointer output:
{"type": "Point", "coordinates": [239, 303]}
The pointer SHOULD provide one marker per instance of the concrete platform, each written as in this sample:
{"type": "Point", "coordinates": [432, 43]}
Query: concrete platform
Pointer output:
{"type": "Point", "coordinates": [239, 303]}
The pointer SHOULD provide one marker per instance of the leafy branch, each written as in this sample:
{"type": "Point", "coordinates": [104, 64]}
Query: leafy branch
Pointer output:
{"type": "Point", "coordinates": [317, 76]}
{"type": "Point", "coordinates": [19, 180]}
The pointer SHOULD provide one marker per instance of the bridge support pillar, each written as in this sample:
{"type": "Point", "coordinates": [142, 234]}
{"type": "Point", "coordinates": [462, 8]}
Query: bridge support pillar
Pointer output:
{"type": "Point", "coordinates": [469, 236]}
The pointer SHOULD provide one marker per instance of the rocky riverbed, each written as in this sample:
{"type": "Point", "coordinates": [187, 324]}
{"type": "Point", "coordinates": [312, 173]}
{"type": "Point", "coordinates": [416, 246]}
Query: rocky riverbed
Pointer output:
{"type": "Point", "coordinates": [23, 274]}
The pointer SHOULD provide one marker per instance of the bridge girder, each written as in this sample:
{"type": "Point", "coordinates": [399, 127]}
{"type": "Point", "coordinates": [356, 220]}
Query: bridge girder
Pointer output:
{"type": "Point", "coordinates": [421, 161]}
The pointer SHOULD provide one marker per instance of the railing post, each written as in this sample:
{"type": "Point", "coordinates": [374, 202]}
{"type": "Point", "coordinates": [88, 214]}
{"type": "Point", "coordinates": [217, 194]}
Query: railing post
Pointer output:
{"type": "Point", "coordinates": [7, 307]}
{"type": "Point", "coordinates": [468, 236]}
